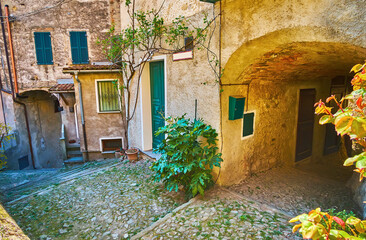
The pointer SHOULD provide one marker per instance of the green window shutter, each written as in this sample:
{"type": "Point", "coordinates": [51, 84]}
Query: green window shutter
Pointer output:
{"type": "Point", "coordinates": [108, 96]}
{"type": "Point", "coordinates": [43, 48]}
{"type": "Point", "coordinates": [248, 124]}
{"type": "Point", "coordinates": [79, 48]}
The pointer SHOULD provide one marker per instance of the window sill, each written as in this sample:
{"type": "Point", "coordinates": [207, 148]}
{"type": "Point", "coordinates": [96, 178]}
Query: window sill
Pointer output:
{"type": "Point", "coordinates": [108, 152]}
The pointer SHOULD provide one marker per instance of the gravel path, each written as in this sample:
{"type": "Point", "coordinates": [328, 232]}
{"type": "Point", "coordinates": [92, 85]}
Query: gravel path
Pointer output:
{"type": "Point", "coordinates": [296, 191]}
{"type": "Point", "coordinates": [115, 203]}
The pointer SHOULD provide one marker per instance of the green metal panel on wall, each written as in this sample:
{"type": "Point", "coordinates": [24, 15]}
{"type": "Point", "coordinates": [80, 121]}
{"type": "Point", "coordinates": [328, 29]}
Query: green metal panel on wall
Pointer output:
{"type": "Point", "coordinates": [157, 99]}
{"type": "Point", "coordinates": [248, 124]}
{"type": "Point", "coordinates": [236, 107]}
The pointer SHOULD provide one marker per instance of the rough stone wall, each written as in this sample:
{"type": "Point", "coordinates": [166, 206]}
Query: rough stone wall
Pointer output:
{"type": "Point", "coordinates": [92, 16]}
{"type": "Point", "coordinates": [97, 125]}
{"type": "Point", "coordinates": [9, 229]}
{"type": "Point", "coordinates": [244, 21]}
{"type": "Point", "coordinates": [281, 47]}
{"type": "Point", "coordinates": [58, 18]}
{"type": "Point", "coordinates": [275, 80]}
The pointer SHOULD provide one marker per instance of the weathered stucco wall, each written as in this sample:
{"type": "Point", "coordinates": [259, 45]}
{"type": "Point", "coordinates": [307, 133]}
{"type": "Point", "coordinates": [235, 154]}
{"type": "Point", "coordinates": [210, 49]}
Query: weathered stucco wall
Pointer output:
{"type": "Point", "coordinates": [274, 81]}
{"type": "Point", "coordinates": [92, 16]}
{"type": "Point", "coordinates": [58, 18]}
{"type": "Point", "coordinates": [184, 79]}
{"type": "Point", "coordinates": [45, 129]}
{"type": "Point", "coordinates": [244, 21]}
{"type": "Point", "coordinates": [279, 47]}
{"type": "Point", "coordinates": [255, 37]}
{"type": "Point", "coordinates": [97, 125]}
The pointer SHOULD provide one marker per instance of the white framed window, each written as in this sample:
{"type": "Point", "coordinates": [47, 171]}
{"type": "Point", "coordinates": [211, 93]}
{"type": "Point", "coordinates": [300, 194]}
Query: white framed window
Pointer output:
{"type": "Point", "coordinates": [109, 145]}
{"type": "Point", "coordinates": [107, 95]}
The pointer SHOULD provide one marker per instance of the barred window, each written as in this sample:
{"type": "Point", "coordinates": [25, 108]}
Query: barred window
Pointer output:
{"type": "Point", "coordinates": [108, 96]}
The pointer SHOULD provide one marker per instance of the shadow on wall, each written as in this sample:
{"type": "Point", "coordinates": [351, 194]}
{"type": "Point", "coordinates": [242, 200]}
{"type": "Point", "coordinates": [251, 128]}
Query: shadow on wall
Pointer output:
{"type": "Point", "coordinates": [45, 130]}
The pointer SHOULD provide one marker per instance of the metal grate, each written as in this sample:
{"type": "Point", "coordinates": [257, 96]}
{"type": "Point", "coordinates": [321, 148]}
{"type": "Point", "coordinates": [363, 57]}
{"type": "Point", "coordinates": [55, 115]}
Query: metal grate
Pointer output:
{"type": "Point", "coordinates": [23, 162]}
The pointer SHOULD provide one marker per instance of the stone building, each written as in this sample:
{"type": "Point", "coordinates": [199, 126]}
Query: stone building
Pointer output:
{"type": "Point", "coordinates": [46, 37]}
{"type": "Point", "coordinates": [281, 57]}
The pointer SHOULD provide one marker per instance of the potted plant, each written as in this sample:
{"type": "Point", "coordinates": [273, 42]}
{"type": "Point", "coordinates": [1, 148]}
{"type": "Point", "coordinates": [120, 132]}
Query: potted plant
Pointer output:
{"type": "Point", "coordinates": [132, 154]}
{"type": "Point", "coordinates": [119, 153]}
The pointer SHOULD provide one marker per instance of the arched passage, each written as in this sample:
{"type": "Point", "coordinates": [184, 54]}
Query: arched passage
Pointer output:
{"type": "Point", "coordinates": [45, 130]}
{"type": "Point", "coordinates": [272, 76]}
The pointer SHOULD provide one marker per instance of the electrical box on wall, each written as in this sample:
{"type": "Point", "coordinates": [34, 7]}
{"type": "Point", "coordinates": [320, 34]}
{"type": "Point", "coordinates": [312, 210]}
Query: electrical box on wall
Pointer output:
{"type": "Point", "coordinates": [236, 107]}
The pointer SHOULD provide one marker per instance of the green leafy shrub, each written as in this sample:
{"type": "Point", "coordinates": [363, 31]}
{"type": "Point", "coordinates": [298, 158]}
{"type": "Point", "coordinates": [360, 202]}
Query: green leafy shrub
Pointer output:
{"type": "Point", "coordinates": [344, 215]}
{"type": "Point", "coordinates": [189, 154]}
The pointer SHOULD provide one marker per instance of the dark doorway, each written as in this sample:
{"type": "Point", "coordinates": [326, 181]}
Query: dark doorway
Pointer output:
{"type": "Point", "coordinates": [332, 139]}
{"type": "Point", "coordinates": [157, 99]}
{"type": "Point", "coordinates": [305, 124]}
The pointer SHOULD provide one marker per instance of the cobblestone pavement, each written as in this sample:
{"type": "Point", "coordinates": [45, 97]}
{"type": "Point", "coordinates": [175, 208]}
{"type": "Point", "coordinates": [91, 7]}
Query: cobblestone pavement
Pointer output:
{"type": "Point", "coordinates": [118, 200]}
{"type": "Point", "coordinates": [113, 203]}
{"type": "Point", "coordinates": [222, 215]}
{"type": "Point", "coordinates": [296, 191]}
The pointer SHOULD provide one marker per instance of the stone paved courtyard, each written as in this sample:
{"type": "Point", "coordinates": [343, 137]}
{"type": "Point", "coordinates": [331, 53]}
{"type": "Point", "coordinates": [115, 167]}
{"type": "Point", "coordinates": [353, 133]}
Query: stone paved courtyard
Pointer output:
{"type": "Point", "coordinates": [114, 203]}
{"type": "Point", "coordinates": [222, 214]}
{"type": "Point", "coordinates": [111, 199]}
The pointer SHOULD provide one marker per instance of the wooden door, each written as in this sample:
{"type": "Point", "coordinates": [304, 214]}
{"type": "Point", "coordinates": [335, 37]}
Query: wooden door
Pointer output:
{"type": "Point", "coordinates": [305, 124]}
{"type": "Point", "coordinates": [157, 99]}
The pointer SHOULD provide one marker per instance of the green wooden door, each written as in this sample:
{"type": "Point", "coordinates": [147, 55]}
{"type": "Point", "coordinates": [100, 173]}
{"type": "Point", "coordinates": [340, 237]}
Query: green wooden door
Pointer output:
{"type": "Point", "coordinates": [157, 99]}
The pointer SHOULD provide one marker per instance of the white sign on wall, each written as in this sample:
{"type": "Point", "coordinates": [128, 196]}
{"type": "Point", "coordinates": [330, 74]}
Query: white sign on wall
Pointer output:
{"type": "Point", "coordinates": [183, 55]}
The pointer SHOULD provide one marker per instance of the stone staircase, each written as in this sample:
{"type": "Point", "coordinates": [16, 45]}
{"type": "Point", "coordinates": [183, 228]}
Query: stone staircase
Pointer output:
{"type": "Point", "coordinates": [74, 155]}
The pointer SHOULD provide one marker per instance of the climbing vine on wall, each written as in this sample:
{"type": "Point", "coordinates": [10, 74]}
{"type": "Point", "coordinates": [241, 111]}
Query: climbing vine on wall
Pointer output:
{"type": "Point", "coordinates": [146, 35]}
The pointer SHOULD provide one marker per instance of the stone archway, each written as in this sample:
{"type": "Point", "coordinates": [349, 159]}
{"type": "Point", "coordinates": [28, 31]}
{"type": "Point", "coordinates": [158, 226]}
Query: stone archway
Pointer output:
{"type": "Point", "coordinates": [270, 76]}
{"type": "Point", "coordinates": [45, 127]}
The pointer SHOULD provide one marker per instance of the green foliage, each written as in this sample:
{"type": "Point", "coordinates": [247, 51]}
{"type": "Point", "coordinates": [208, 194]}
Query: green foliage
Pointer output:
{"type": "Point", "coordinates": [4, 137]}
{"type": "Point", "coordinates": [148, 34]}
{"type": "Point", "coordinates": [189, 154]}
{"type": "Point", "coordinates": [350, 120]}
{"type": "Point", "coordinates": [318, 225]}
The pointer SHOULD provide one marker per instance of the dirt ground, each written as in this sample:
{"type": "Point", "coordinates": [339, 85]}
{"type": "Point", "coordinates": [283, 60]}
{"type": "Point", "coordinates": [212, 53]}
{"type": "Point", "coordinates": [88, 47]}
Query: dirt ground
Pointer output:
{"type": "Point", "coordinates": [298, 190]}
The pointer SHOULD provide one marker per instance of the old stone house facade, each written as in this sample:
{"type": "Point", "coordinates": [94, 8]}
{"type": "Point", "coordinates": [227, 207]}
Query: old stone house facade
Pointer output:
{"type": "Point", "coordinates": [279, 56]}
{"type": "Point", "coordinates": [46, 37]}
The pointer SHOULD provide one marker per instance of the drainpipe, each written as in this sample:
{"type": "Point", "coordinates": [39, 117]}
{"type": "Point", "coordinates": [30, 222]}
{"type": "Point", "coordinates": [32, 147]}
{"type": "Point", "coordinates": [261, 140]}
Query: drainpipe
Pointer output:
{"type": "Point", "coordinates": [12, 87]}
{"type": "Point", "coordinates": [82, 113]}
{"type": "Point", "coordinates": [11, 49]}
